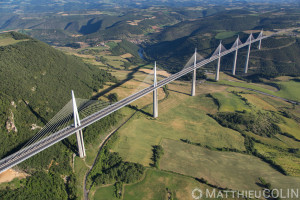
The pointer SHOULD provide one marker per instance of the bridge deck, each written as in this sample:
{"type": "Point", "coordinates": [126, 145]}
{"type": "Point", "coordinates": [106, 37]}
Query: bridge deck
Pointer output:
{"type": "Point", "coordinates": [39, 146]}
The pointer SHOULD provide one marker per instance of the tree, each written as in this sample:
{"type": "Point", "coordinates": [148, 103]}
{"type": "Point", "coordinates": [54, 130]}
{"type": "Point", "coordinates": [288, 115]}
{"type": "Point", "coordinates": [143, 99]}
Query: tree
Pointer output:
{"type": "Point", "coordinates": [113, 97]}
{"type": "Point", "coordinates": [126, 65]}
{"type": "Point", "coordinates": [158, 151]}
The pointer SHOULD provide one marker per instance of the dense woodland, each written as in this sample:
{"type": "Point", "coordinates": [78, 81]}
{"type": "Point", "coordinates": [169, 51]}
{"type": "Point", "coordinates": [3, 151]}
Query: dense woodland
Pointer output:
{"type": "Point", "coordinates": [260, 123]}
{"type": "Point", "coordinates": [39, 186]}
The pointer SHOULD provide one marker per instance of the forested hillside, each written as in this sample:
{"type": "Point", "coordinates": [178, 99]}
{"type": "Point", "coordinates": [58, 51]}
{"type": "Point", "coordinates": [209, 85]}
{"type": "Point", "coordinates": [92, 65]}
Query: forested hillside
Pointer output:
{"type": "Point", "coordinates": [36, 82]}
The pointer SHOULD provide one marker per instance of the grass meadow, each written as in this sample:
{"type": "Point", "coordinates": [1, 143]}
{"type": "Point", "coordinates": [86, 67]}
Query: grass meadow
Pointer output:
{"type": "Point", "coordinates": [180, 117]}
{"type": "Point", "coordinates": [229, 102]}
{"type": "Point", "coordinates": [8, 40]}
{"type": "Point", "coordinates": [287, 89]}
{"type": "Point", "coordinates": [225, 34]}
{"type": "Point", "coordinates": [155, 186]}
{"type": "Point", "coordinates": [225, 169]}
{"type": "Point", "coordinates": [288, 161]}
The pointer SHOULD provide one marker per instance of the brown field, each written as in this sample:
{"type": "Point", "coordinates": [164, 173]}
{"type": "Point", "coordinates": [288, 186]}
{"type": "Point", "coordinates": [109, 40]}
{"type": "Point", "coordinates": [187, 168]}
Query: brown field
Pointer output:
{"type": "Point", "coordinates": [11, 174]}
{"type": "Point", "coordinates": [150, 71]}
{"type": "Point", "coordinates": [126, 55]}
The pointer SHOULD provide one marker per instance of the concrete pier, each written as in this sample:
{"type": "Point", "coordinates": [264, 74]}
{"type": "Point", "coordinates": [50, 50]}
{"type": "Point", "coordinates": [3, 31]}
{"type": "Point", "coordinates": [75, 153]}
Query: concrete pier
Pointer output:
{"type": "Point", "coordinates": [219, 63]}
{"type": "Point", "coordinates": [248, 55]}
{"type": "Point", "coordinates": [234, 63]}
{"type": "Point", "coordinates": [155, 99]}
{"type": "Point", "coordinates": [193, 93]}
{"type": "Point", "coordinates": [79, 135]}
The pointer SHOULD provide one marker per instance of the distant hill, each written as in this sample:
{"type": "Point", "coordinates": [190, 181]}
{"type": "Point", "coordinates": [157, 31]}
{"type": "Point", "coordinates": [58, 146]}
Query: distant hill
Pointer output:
{"type": "Point", "coordinates": [173, 47]}
{"type": "Point", "coordinates": [62, 29]}
{"type": "Point", "coordinates": [36, 82]}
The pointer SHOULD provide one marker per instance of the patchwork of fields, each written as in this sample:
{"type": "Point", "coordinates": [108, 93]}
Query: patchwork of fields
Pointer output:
{"type": "Point", "coordinates": [182, 117]}
{"type": "Point", "coordinates": [185, 118]}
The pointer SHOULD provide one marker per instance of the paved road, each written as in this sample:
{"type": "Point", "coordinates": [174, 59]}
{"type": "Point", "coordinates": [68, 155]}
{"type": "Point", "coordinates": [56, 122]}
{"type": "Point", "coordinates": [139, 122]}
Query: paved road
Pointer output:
{"type": "Point", "coordinates": [287, 100]}
{"type": "Point", "coordinates": [39, 146]}
{"type": "Point", "coordinates": [86, 192]}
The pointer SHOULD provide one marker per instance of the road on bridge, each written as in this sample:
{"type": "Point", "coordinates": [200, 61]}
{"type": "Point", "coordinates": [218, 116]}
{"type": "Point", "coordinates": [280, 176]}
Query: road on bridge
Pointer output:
{"type": "Point", "coordinates": [39, 146]}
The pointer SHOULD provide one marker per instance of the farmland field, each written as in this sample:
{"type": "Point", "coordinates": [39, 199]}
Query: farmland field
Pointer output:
{"type": "Point", "coordinates": [154, 186]}
{"type": "Point", "coordinates": [287, 89]}
{"type": "Point", "coordinates": [105, 193]}
{"type": "Point", "coordinates": [180, 117]}
{"type": "Point", "coordinates": [226, 169]}
{"type": "Point", "coordinates": [230, 102]}
{"type": "Point", "coordinates": [288, 161]}
{"type": "Point", "coordinates": [224, 35]}
{"type": "Point", "coordinates": [4, 40]}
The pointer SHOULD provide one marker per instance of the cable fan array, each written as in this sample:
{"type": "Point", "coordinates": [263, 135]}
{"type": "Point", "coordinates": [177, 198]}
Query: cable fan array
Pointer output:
{"type": "Point", "coordinates": [63, 119]}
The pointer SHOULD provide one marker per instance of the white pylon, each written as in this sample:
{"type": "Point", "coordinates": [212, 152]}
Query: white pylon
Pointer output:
{"type": "Point", "coordinates": [260, 35]}
{"type": "Point", "coordinates": [248, 55]}
{"type": "Point", "coordinates": [155, 99]}
{"type": "Point", "coordinates": [79, 135]}
{"type": "Point", "coordinates": [235, 57]}
{"type": "Point", "coordinates": [219, 63]}
{"type": "Point", "coordinates": [194, 75]}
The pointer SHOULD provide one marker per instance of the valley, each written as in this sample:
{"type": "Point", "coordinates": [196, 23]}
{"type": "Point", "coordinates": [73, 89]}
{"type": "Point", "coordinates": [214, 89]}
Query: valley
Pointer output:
{"type": "Point", "coordinates": [185, 121]}
{"type": "Point", "coordinates": [238, 133]}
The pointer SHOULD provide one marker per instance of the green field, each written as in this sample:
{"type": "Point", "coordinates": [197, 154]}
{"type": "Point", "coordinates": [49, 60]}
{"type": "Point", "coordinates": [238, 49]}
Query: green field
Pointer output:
{"type": "Point", "coordinates": [275, 142]}
{"type": "Point", "coordinates": [180, 117]}
{"type": "Point", "coordinates": [226, 169]}
{"type": "Point", "coordinates": [8, 40]}
{"type": "Point", "coordinates": [105, 193]}
{"type": "Point", "coordinates": [288, 89]}
{"type": "Point", "coordinates": [259, 103]}
{"type": "Point", "coordinates": [229, 102]}
{"type": "Point", "coordinates": [224, 35]}
{"type": "Point", "coordinates": [288, 161]}
{"type": "Point", "coordinates": [291, 127]}
{"type": "Point", "coordinates": [155, 186]}
{"type": "Point", "coordinates": [80, 170]}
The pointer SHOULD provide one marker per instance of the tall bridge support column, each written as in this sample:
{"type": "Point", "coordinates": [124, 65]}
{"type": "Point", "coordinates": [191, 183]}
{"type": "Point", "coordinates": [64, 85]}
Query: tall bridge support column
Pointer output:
{"type": "Point", "coordinates": [79, 135]}
{"type": "Point", "coordinates": [248, 55]}
{"type": "Point", "coordinates": [155, 99]}
{"type": "Point", "coordinates": [193, 93]}
{"type": "Point", "coordinates": [235, 56]}
{"type": "Point", "coordinates": [234, 63]}
{"type": "Point", "coordinates": [219, 63]}
{"type": "Point", "coordinates": [260, 36]}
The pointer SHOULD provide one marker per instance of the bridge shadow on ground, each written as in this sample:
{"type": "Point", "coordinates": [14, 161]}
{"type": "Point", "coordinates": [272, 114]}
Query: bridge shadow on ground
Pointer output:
{"type": "Point", "coordinates": [129, 77]}
{"type": "Point", "coordinates": [141, 110]}
{"type": "Point", "coordinates": [179, 92]}
{"type": "Point", "coordinates": [70, 145]}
